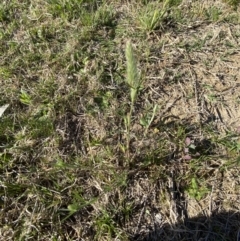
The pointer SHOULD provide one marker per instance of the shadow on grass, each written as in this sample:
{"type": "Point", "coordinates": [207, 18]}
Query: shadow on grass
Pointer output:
{"type": "Point", "coordinates": [222, 226]}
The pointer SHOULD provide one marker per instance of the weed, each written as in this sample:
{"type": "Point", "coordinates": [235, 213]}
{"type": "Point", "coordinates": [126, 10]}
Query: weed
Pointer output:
{"type": "Point", "coordinates": [105, 226]}
{"type": "Point", "coordinates": [134, 83]}
{"type": "Point", "coordinates": [25, 98]}
{"type": "Point", "coordinates": [152, 16]}
{"type": "Point", "coordinates": [196, 191]}
{"type": "Point", "coordinates": [147, 119]}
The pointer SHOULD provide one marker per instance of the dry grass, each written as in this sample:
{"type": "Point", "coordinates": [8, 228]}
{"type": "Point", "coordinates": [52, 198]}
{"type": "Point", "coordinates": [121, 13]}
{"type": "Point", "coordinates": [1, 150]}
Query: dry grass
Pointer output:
{"type": "Point", "coordinates": [73, 168]}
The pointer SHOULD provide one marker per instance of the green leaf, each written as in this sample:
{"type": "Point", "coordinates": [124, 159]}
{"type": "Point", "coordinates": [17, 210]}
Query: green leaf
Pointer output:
{"type": "Point", "coordinates": [194, 183]}
{"type": "Point", "coordinates": [25, 98]}
{"type": "Point", "coordinates": [143, 121]}
{"type": "Point", "coordinates": [73, 208]}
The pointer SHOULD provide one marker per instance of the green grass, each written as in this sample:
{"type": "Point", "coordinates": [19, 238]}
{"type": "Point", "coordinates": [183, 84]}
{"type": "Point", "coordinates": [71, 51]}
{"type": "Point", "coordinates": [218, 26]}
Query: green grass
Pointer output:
{"type": "Point", "coordinates": [118, 113]}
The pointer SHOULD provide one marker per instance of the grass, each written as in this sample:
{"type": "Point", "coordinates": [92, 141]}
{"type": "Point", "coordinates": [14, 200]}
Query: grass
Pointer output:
{"type": "Point", "coordinates": [123, 120]}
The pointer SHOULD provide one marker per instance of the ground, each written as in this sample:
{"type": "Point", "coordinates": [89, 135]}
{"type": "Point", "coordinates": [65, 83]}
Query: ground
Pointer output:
{"type": "Point", "coordinates": [123, 120]}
